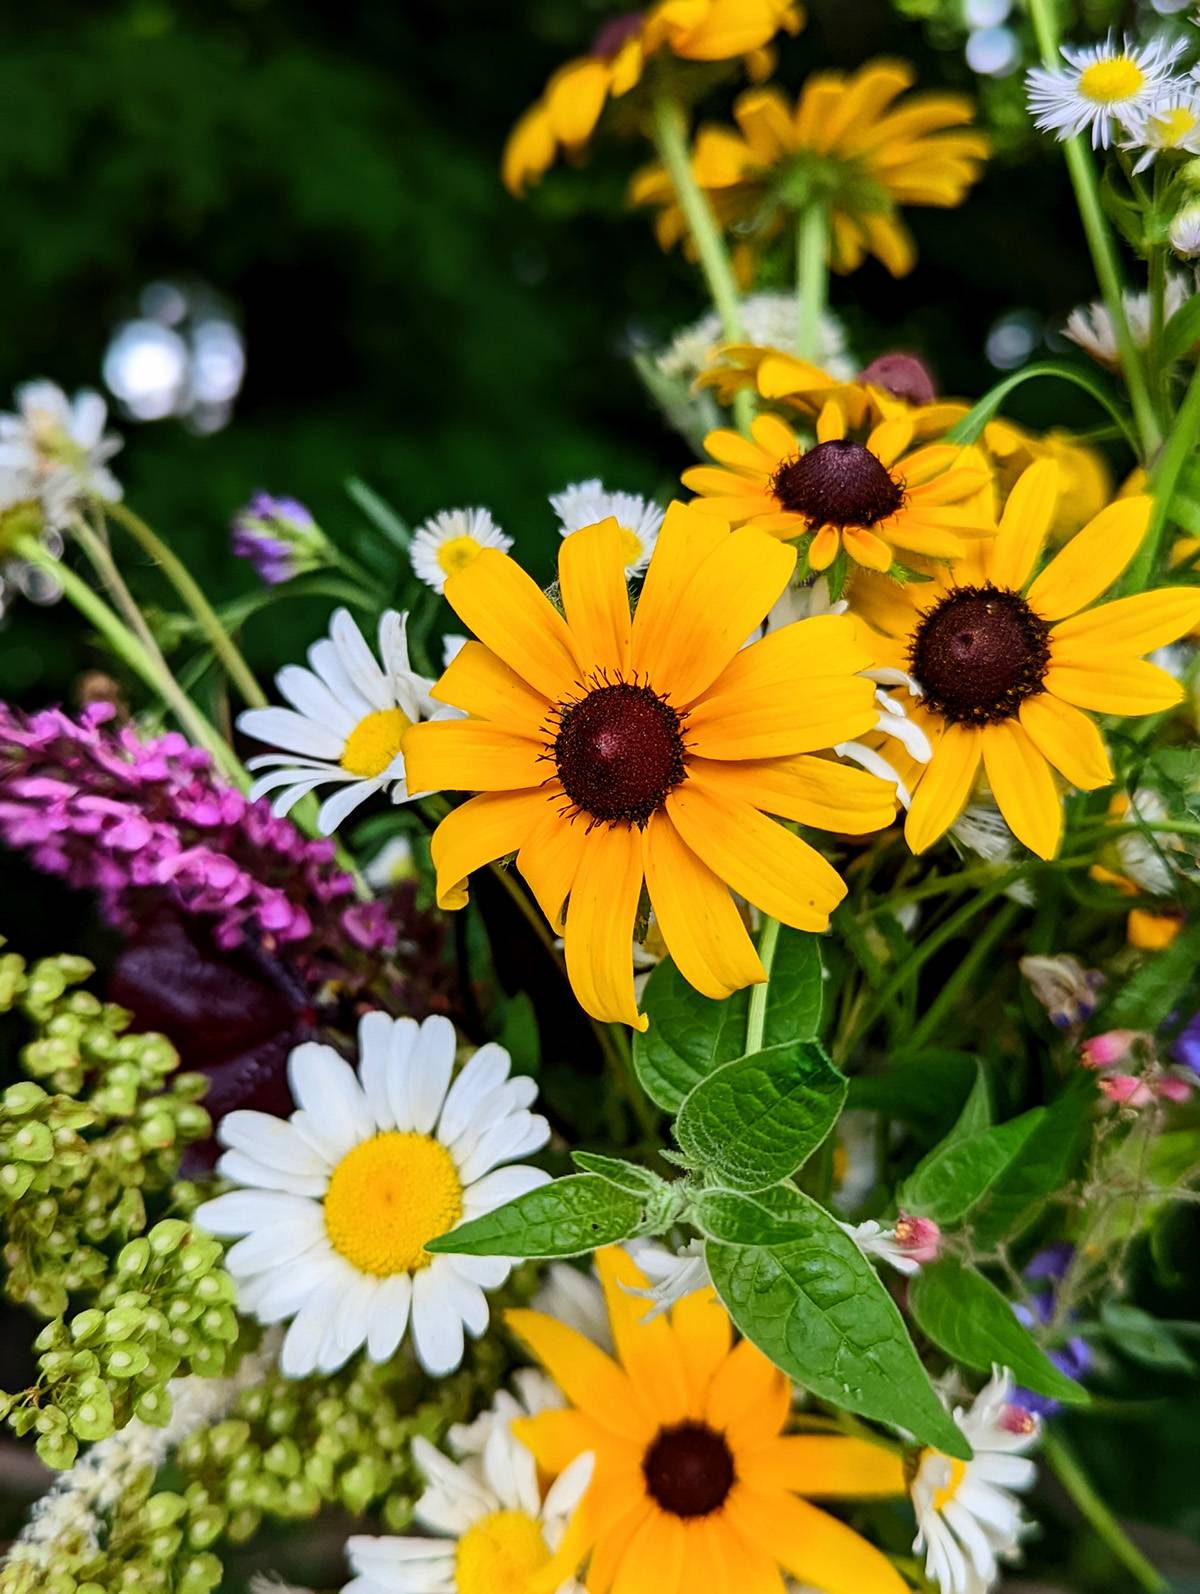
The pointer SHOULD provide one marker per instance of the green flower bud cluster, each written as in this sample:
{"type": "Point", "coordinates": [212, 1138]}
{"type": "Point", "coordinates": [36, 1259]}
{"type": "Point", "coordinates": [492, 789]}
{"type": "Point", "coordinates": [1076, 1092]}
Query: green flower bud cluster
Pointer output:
{"type": "Point", "coordinates": [165, 1308]}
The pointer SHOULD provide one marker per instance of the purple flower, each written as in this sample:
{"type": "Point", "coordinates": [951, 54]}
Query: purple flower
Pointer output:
{"type": "Point", "coordinates": [279, 537]}
{"type": "Point", "coordinates": [1074, 1357]}
{"type": "Point", "coordinates": [1186, 1047]}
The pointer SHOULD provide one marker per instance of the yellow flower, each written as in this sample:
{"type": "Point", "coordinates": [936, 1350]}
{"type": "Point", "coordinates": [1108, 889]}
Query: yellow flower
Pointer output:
{"type": "Point", "coordinates": [694, 30]}
{"type": "Point", "coordinates": [612, 751]}
{"type": "Point", "coordinates": [871, 499]}
{"type": "Point", "coordinates": [844, 144]}
{"type": "Point", "coordinates": [1006, 666]}
{"type": "Point", "coordinates": [696, 1487]}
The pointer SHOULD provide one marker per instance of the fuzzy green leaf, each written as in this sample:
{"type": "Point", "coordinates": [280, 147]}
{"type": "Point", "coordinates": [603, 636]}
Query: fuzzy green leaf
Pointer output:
{"type": "Point", "coordinates": [947, 1183]}
{"type": "Point", "coordinates": [567, 1218]}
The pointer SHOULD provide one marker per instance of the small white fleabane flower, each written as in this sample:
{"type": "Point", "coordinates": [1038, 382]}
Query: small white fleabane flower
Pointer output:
{"type": "Point", "coordinates": [768, 321]}
{"type": "Point", "coordinates": [1091, 325]}
{"type": "Point", "coordinates": [588, 503]}
{"type": "Point", "coordinates": [1184, 232]}
{"type": "Point", "coordinates": [968, 1519]}
{"type": "Point", "coordinates": [338, 1202]}
{"type": "Point", "coordinates": [450, 540]}
{"type": "Point", "coordinates": [346, 724]}
{"type": "Point", "coordinates": [497, 1533]}
{"type": "Point", "coordinates": [1170, 123]}
{"type": "Point", "coordinates": [907, 1245]}
{"type": "Point", "coordinates": [1105, 87]}
{"type": "Point", "coordinates": [56, 449]}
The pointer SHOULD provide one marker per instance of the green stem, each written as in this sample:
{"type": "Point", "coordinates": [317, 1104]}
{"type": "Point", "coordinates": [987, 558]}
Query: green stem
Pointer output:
{"type": "Point", "coordinates": [1067, 1469]}
{"type": "Point", "coordinates": [1163, 481]}
{"type": "Point", "coordinates": [812, 277]}
{"type": "Point", "coordinates": [130, 649]}
{"type": "Point", "coordinates": [963, 975]}
{"type": "Point", "coordinates": [671, 141]}
{"type": "Point", "coordinates": [1100, 242]}
{"type": "Point", "coordinates": [186, 586]}
{"type": "Point", "coordinates": [756, 1016]}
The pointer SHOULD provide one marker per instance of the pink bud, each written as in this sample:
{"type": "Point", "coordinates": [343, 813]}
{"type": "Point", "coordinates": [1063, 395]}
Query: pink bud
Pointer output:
{"type": "Point", "coordinates": [920, 1238]}
{"type": "Point", "coordinates": [1173, 1088]}
{"type": "Point", "coordinates": [1127, 1089]}
{"type": "Point", "coordinates": [1015, 1419]}
{"type": "Point", "coordinates": [1114, 1046]}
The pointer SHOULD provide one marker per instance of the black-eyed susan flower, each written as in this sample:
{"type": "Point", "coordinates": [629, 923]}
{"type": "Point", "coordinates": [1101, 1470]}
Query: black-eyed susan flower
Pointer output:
{"type": "Point", "coordinates": [565, 117]}
{"type": "Point", "coordinates": [697, 1486]}
{"type": "Point", "coordinates": [1008, 665]}
{"type": "Point", "coordinates": [874, 499]}
{"type": "Point", "coordinates": [612, 751]}
{"type": "Point", "coordinates": [844, 144]}
{"type": "Point", "coordinates": [1103, 88]}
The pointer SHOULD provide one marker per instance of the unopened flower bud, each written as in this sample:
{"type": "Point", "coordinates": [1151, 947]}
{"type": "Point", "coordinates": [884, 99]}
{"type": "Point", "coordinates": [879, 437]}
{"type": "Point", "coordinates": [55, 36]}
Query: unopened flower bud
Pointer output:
{"type": "Point", "coordinates": [1184, 233]}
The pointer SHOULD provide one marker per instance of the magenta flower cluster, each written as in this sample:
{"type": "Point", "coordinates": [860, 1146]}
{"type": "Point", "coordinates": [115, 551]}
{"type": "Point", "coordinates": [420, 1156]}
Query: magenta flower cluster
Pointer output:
{"type": "Point", "coordinates": [140, 822]}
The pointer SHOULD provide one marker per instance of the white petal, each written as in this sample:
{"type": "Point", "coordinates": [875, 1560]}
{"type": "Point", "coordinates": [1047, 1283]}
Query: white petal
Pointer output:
{"type": "Point", "coordinates": [468, 1299]}
{"type": "Point", "coordinates": [569, 1487]}
{"type": "Point", "coordinates": [309, 696]}
{"type": "Point", "coordinates": [326, 1087]}
{"type": "Point", "coordinates": [359, 660]}
{"type": "Point", "coordinates": [280, 727]}
{"type": "Point", "coordinates": [327, 663]}
{"type": "Point", "coordinates": [289, 1287]}
{"type": "Point", "coordinates": [303, 1341]}
{"type": "Point", "coordinates": [437, 1326]}
{"type": "Point", "coordinates": [388, 1316]}
{"type": "Point", "coordinates": [334, 810]}
{"type": "Point", "coordinates": [429, 1073]}
{"type": "Point", "coordinates": [521, 1130]}
{"type": "Point", "coordinates": [506, 1184]}
{"type": "Point", "coordinates": [374, 1046]}
{"type": "Point", "coordinates": [484, 1072]}
{"type": "Point", "coordinates": [393, 645]}
{"type": "Point", "coordinates": [489, 1272]}
{"type": "Point", "coordinates": [353, 1313]}
{"type": "Point", "coordinates": [511, 1472]}
{"type": "Point", "coordinates": [243, 1211]}
{"type": "Point", "coordinates": [404, 1039]}
{"type": "Point", "coordinates": [244, 1170]}
{"type": "Point", "coordinates": [270, 1141]}
{"type": "Point", "coordinates": [277, 1244]}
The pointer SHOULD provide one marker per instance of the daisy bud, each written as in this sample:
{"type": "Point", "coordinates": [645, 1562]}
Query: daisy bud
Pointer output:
{"type": "Point", "coordinates": [1184, 232]}
{"type": "Point", "coordinates": [1109, 1049]}
{"type": "Point", "coordinates": [1127, 1090]}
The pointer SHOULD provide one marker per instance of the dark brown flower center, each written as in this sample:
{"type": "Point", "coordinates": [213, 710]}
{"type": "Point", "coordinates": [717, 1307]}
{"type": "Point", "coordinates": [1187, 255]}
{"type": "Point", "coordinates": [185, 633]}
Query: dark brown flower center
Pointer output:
{"type": "Point", "coordinates": [689, 1470]}
{"type": "Point", "coordinates": [979, 653]}
{"type": "Point", "coordinates": [611, 37]}
{"type": "Point", "coordinates": [619, 751]}
{"type": "Point", "coordinates": [837, 484]}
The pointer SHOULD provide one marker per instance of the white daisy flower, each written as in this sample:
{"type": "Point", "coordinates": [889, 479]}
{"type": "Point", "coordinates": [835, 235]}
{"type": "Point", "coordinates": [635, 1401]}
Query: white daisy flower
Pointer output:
{"type": "Point", "coordinates": [1107, 86]}
{"type": "Point", "coordinates": [907, 1245]}
{"type": "Point", "coordinates": [346, 723]}
{"type": "Point", "coordinates": [448, 541]}
{"type": "Point", "coordinates": [768, 321]}
{"type": "Point", "coordinates": [497, 1532]}
{"type": "Point", "coordinates": [968, 1520]}
{"type": "Point", "coordinates": [337, 1202]}
{"type": "Point", "coordinates": [1091, 325]}
{"type": "Point", "coordinates": [587, 503]}
{"type": "Point", "coordinates": [1170, 123]}
{"type": "Point", "coordinates": [57, 447]}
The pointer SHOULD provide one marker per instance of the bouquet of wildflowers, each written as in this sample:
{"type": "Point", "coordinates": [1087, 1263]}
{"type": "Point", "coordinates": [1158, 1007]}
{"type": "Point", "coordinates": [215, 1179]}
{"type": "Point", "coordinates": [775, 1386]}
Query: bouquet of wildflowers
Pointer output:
{"type": "Point", "coordinates": [680, 1080]}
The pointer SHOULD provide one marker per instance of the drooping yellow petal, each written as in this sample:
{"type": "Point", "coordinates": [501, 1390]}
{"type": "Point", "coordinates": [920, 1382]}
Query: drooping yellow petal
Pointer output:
{"type": "Point", "coordinates": [599, 929]}
{"type": "Point", "coordinates": [1023, 787]}
{"type": "Point", "coordinates": [1139, 624]}
{"type": "Point", "coordinates": [944, 788]}
{"type": "Point", "coordinates": [575, 97]}
{"type": "Point", "coordinates": [1123, 687]}
{"type": "Point", "coordinates": [591, 578]}
{"type": "Point", "coordinates": [508, 611]}
{"type": "Point", "coordinates": [479, 683]}
{"type": "Point", "coordinates": [549, 856]}
{"type": "Point", "coordinates": [482, 830]}
{"type": "Point", "coordinates": [645, 1343]}
{"type": "Point", "coordinates": [824, 548]}
{"type": "Point", "coordinates": [587, 1377]}
{"type": "Point", "coordinates": [828, 1466]}
{"type": "Point", "coordinates": [763, 862]}
{"type": "Point", "coordinates": [472, 755]}
{"type": "Point", "coordinates": [812, 791]}
{"type": "Point", "coordinates": [697, 916]}
{"type": "Point", "coordinates": [530, 150]}
{"type": "Point", "coordinates": [811, 1545]}
{"type": "Point", "coordinates": [1025, 525]}
{"type": "Point", "coordinates": [866, 549]}
{"type": "Point", "coordinates": [1069, 739]}
{"type": "Point", "coordinates": [1092, 560]}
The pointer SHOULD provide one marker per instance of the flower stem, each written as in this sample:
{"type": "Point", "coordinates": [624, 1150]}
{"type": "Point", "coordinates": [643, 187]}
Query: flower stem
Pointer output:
{"type": "Point", "coordinates": [128, 647]}
{"type": "Point", "coordinates": [188, 589]}
{"type": "Point", "coordinates": [1163, 481]}
{"type": "Point", "coordinates": [1067, 1469]}
{"type": "Point", "coordinates": [756, 1016]}
{"type": "Point", "coordinates": [1100, 242]}
{"type": "Point", "coordinates": [671, 141]}
{"type": "Point", "coordinates": [812, 277]}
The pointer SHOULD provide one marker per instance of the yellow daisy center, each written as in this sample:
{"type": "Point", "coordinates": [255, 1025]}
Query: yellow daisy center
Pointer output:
{"type": "Point", "coordinates": [631, 546]}
{"type": "Point", "coordinates": [1110, 82]}
{"type": "Point", "coordinates": [958, 1471]}
{"type": "Point", "coordinates": [374, 742]}
{"type": "Point", "coordinates": [456, 553]}
{"type": "Point", "coordinates": [500, 1555]}
{"type": "Point", "coordinates": [387, 1198]}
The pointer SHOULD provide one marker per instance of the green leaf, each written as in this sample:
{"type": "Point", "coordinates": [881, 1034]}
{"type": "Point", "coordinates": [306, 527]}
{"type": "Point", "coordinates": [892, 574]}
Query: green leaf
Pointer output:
{"type": "Point", "coordinates": [756, 1120]}
{"type": "Point", "coordinates": [947, 1183]}
{"type": "Point", "coordinates": [379, 512]}
{"type": "Point", "coordinates": [627, 1176]}
{"type": "Point", "coordinates": [1144, 1339]}
{"type": "Point", "coordinates": [770, 1218]}
{"type": "Point", "coordinates": [968, 1318]}
{"type": "Point", "coordinates": [1146, 998]}
{"type": "Point", "coordinates": [1049, 1159]}
{"type": "Point", "coordinates": [818, 1309]}
{"type": "Point", "coordinates": [567, 1218]}
{"type": "Point", "coordinates": [927, 1088]}
{"type": "Point", "coordinates": [970, 428]}
{"type": "Point", "coordinates": [690, 1035]}
{"type": "Point", "coordinates": [519, 1034]}
{"type": "Point", "coordinates": [1182, 331]}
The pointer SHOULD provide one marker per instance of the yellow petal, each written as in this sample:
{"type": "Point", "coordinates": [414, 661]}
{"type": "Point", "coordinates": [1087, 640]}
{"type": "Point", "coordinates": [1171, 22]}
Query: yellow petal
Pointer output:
{"type": "Point", "coordinates": [479, 683]}
{"type": "Point", "coordinates": [556, 1438]}
{"type": "Point", "coordinates": [550, 854]}
{"type": "Point", "coordinates": [738, 452]}
{"type": "Point", "coordinates": [765, 722]}
{"type": "Point", "coordinates": [575, 97]}
{"type": "Point", "coordinates": [704, 1335]}
{"type": "Point", "coordinates": [774, 437]}
{"type": "Point", "coordinates": [812, 1546]}
{"type": "Point", "coordinates": [831, 423]}
{"type": "Point", "coordinates": [825, 644]}
{"type": "Point", "coordinates": [776, 871]}
{"type": "Point", "coordinates": [809, 790]}
{"type": "Point", "coordinates": [599, 929]}
{"type": "Point", "coordinates": [509, 612]}
{"type": "Point", "coordinates": [587, 1377]}
{"type": "Point", "coordinates": [729, 591]}
{"type": "Point", "coordinates": [1123, 687]}
{"type": "Point", "coordinates": [645, 1344]}
{"type": "Point", "coordinates": [1023, 787]}
{"type": "Point", "coordinates": [688, 535]}
{"type": "Point", "coordinates": [482, 830]}
{"type": "Point", "coordinates": [944, 788]}
{"type": "Point", "coordinates": [823, 549]}
{"type": "Point", "coordinates": [1025, 525]}
{"type": "Point", "coordinates": [747, 1386]}
{"type": "Point", "coordinates": [471, 755]}
{"type": "Point", "coordinates": [530, 150]}
{"type": "Point", "coordinates": [698, 919]}
{"type": "Point", "coordinates": [654, 1560]}
{"type": "Point", "coordinates": [1092, 560]}
{"type": "Point", "coordinates": [1069, 739]}
{"type": "Point", "coordinates": [826, 1466]}
{"type": "Point", "coordinates": [591, 578]}
{"type": "Point", "coordinates": [889, 439]}
{"type": "Point", "coordinates": [1139, 624]}
{"type": "Point", "coordinates": [866, 549]}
